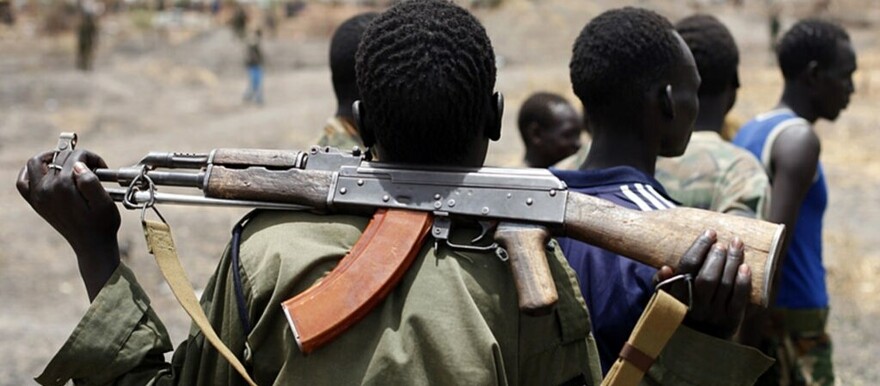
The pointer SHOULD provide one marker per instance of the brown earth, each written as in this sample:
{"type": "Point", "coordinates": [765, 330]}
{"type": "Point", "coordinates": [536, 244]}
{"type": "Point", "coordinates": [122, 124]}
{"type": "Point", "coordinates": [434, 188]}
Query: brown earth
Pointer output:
{"type": "Point", "coordinates": [179, 88]}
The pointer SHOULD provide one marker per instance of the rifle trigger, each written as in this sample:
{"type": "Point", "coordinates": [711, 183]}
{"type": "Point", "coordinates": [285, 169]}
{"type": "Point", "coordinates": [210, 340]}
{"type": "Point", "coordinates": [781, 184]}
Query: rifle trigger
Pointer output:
{"type": "Point", "coordinates": [485, 226]}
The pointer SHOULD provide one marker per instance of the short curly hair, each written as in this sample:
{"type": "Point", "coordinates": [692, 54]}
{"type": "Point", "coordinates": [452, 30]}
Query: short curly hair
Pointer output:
{"type": "Point", "coordinates": [806, 41]}
{"type": "Point", "coordinates": [616, 58]}
{"type": "Point", "coordinates": [343, 47]}
{"type": "Point", "coordinates": [714, 51]}
{"type": "Point", "coordinates": [426, 72]}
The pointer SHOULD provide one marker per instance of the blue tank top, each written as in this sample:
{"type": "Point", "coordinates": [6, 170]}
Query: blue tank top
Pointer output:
{"type": "Point", "coordinates": [802, 284]}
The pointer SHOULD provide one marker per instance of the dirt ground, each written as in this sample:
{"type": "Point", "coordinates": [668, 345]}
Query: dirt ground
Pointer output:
{"type": "Point", "coordinates": [179, 88]}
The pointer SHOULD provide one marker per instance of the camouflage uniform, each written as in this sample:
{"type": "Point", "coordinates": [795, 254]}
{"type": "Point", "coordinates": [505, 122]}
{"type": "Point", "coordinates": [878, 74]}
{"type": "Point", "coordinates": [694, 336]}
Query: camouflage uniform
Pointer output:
{"type": "Point", "coordinates": [716, 175]}
{"type": "Point", "coordinates": [802, 348]}
{"type": "Point", "coordinates": [341, 134]}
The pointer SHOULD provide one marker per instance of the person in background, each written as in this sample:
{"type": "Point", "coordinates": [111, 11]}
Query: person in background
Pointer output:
{"type": "Point", "coordinates": [550, 129]}
{"type": "Point", "coordinates": [254, 64]}
{"type": "Point", "coordinates": [239, 21]}
{"type": "Point", "coordinates": [87, 38]}
{"type": "Point", "coordinates": [712, 173]}
{"type": "Point", "coordinates": [341, 131]}
{"type": "Point", "coordinates": [817, 61]}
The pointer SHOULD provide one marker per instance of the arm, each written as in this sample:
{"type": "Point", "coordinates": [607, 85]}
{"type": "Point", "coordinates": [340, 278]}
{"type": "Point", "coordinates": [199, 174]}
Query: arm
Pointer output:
{"type": "Point", "coordinates": [794, 160]}
{"type": "Point", "coordinates": [72, 200]}
{"type": "Point", "coordinates": [120, 339]}
{"type": "Point", "coordinates": [119, 320]}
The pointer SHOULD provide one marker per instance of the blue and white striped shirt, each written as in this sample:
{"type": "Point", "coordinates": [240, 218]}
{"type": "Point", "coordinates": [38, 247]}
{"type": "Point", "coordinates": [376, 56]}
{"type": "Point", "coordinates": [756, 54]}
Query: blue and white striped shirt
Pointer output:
{"type": "Point", "coordinates": [616, 288]}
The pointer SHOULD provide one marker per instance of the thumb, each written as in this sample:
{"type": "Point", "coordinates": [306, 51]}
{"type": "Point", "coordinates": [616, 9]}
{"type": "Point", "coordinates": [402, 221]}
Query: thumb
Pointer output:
{"type": "Point", "coordinates": [88, 184]}
{"type": "Point", "coordinates": [665, 272]}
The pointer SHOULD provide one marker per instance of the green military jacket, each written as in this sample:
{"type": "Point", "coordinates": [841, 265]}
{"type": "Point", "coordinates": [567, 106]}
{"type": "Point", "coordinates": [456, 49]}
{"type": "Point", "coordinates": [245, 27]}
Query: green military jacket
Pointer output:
{"type": "Point", "coordinates": [716, 175]}
{"type": "Point", "coordinates": [453, 320]}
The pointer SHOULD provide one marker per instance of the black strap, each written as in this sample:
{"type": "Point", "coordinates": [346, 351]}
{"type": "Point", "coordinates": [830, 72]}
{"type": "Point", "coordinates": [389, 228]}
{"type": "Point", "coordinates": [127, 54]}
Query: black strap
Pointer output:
{"type": "Point", "coordinates": [236, 272]}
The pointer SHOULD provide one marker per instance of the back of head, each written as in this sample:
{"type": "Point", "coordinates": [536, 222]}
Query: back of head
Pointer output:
{"type": "Point", "coordinates": [343, 48]}
{"type": "Point", "coordinates": [714, 51]}
{"type": "Point", "coordinates": [536, 110]}
{"type": "Point", "coordinates": [426, 73]}
{"type": "Point", "coordinates": [616, 58]}
{"type": "Point", "coordinates": [809, 40]}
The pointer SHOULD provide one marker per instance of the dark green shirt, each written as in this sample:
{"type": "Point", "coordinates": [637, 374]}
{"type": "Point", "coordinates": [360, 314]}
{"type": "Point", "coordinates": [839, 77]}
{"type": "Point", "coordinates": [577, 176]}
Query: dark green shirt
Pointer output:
{"type": "Point", "coordinates": [453, 319]}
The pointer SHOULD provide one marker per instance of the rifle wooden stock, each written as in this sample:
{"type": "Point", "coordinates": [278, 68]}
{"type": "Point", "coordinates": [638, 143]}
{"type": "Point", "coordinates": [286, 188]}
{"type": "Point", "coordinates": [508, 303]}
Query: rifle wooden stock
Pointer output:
{"type": "Point", "coordinates": [661, 237]}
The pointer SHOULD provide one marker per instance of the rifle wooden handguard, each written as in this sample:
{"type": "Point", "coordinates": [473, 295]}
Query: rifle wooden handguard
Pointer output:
{"type": "Point", "coordinates": [361, 280]}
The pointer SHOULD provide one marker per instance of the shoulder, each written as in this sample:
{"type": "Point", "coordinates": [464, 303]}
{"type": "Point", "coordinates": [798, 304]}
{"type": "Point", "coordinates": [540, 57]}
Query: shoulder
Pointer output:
{"type": "Point", "coordinates": [794, 155]}
{"type": "Point", "coordinates": [738, 159]}
{"type": "Point", "coordinates": [292, 227]}
{"type": "Point", "coordinates": [795, 143]}
{"type": "Point", "coordinates": [296, 247]}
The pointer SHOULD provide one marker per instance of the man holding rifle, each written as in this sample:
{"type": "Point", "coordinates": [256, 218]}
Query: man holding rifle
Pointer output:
{"type": "Point", "coordinates": [624, 61]}
{"type": "Point", "coordinates": [453, 318]}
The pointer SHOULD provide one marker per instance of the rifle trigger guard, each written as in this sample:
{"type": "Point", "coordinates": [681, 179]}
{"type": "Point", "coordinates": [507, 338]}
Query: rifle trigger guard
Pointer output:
{"type": "Point", "coordinates": [441, 228]}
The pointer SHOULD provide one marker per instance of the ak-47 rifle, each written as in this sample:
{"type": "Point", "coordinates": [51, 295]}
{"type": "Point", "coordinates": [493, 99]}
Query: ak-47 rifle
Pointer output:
{"type": "Point", "coordinates": [524, 207]}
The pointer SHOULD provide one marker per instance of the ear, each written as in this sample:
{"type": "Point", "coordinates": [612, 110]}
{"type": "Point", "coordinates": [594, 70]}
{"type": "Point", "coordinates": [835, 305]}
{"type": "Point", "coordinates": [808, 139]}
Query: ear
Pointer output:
{"type": "Point", "coordinates": [359, 112]}
{"type": "Point", "coordinates": [493, 124]}
{"type": "Point", "coordinates": [666, 103]}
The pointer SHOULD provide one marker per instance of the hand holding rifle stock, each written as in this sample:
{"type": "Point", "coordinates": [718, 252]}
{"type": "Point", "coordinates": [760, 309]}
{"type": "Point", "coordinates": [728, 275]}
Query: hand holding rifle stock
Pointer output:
{"type": "Point", "coordinates": [524, 207]}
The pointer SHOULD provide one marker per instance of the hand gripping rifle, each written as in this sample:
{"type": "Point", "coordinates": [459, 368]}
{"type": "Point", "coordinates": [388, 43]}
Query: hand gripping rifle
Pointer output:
{"type": "Point", "coordinates": [524, 207]}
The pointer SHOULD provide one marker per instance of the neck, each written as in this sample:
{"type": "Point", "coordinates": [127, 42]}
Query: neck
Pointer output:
{"type": "Point", "coordinates": [711, 114]}
{"type": "Point", "coordinates": [609, 151]}
{"type": "Point", "coordinates": [797, 98]}
{"type": "Point", "coordinates": [343, 110]}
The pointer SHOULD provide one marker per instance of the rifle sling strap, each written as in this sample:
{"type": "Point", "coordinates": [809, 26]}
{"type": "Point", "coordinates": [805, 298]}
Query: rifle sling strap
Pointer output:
{"type": "Point", "coordinates": [161, 245]}
{"type": "Point", "coordinates": [653, 330]}
{"type": "Point", "coordinates": [361, 280]}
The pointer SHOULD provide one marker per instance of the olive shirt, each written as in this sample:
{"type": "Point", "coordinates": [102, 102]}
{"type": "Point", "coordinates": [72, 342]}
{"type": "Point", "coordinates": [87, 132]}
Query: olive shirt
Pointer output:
{"type": "Point", "coordinates": [453, 319]}
{"type": "Point", "coordinates": [716, 175]}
